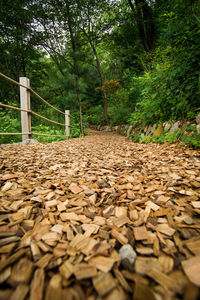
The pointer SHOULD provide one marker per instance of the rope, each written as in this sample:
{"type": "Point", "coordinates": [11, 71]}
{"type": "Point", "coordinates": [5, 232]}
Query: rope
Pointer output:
{"type": "Point", "coordinates": [15, 108]}
{"type": "Point", "coordinates": [46, 102]}
{"type": "Point", "coordinates": [42, 134]}
{"type": "Point", "coordinates": [15, 133]}
{"type": "Point", "coordinates": [31, 112]}
{"type": "Point", "coordinates": [30, 133]}
{"type": "Point", "coordinates": [47, 119]}
{"type": "Point", "coordinates": [13, 81]}
{"type": "Point", "coordinates": [31, 90]}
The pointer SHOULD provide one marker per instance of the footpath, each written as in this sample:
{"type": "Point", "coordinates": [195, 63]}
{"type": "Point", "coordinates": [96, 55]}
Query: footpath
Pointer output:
{"type": "Point", "coordinates": [99, 217]}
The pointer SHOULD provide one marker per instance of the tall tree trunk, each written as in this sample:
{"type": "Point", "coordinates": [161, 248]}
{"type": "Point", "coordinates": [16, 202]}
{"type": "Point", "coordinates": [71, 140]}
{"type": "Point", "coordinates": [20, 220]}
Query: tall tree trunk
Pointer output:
{"type": "Point", "coordinates": [105, 115]}
{"type": "Point", "coordinates": [74, 49]}
{"type": "Point", "coordinates": [81, 118]}
{"type": "Point", "coordinates": [145, 23]}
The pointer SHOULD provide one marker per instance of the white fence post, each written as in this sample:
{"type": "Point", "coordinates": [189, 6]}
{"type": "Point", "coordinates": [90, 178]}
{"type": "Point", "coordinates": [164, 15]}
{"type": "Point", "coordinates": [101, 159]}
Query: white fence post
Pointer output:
{"type": "Point", "coordinates": [67, 123]}
{"type": "Point", "coordinates": [25, 104]}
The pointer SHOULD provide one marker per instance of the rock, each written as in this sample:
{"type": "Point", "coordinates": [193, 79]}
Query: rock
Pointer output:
{"type": "Point", "coordinates": [198, 128]}
{"type": "Point", "coordinates": [125, 129]}
{"type": "Point", "coordinates": [129, 130]}
{"type": "Point", "coordinates": [118, 128]}
{"type": "Point", "coordinates": [127, 256]}
{"type": "Point", "coordinates": [198, 119]}
{"type": "Point", "coordinates": [185, 125]}
{"type": "Point", "coordinates": [167, 126]}
{"type": "Point", "coordinates": [29, 141]}
{"type": "Point", "coordinates": [89, 192]}
{"type": "Point", "coordinates": [145, 129]}
{"type": "Point", "coordinates": [188, 220]}
{"type": "Point", "coordinates": [158, 131]}
{"type": "Point", "coordinates": [122, 129]}
{"type": "Point", "coordinates": [107, 129]}
{"type": "Point", "coordinates": [102, 183]}
{"type": "Point", "coordinates": [175, 126]}
{"type": "Point", "coordinates": [149, 130]}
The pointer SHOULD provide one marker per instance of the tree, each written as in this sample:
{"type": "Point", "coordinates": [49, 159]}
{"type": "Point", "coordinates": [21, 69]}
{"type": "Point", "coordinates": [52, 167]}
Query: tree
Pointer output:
{"type": "Point", "coordinates": [145, 22]}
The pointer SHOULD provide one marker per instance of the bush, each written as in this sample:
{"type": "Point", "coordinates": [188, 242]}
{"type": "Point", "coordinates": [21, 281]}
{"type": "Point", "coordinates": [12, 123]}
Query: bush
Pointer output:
{"type": "Point", "coordinates": [95, 115]}
{"type": "Point", "coordinates": [9, 124]}
{"type": "Point", "coordinates": [191, 137]}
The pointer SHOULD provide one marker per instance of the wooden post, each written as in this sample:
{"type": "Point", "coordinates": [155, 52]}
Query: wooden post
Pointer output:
{"type": "Point", "coordinates": [25, 104]}
{"type": "Point", "coordinates": [67, 123]}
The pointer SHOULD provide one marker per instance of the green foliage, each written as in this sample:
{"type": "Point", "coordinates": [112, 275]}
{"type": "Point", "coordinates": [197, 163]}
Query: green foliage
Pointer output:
{"type": "Point", "coordinates": [9, 124]}
{"type": "Point", "coordinates": [135, 137]}
{"type": "Point", "coordinates": [192, 139]}
{"type": "Point", "coordinates": [95, 115]}
{"type": "Point", "coordinates": [44, 129]}
{"type": "Point", "coordinates": [170, 90]}
{"type": "Point", "coordinates": [171, 137]}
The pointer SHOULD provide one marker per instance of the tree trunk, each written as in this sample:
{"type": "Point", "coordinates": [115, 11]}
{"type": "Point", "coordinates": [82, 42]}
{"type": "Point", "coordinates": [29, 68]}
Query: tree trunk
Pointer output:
{"type": "Point", "coordinates": [74, 49]}
{"type": "Point", "coordinates": [105, 116]}
{"type": "Point", "coordinates": [145, 23]}
{"type": "Point", "coordinates": [81, 118]}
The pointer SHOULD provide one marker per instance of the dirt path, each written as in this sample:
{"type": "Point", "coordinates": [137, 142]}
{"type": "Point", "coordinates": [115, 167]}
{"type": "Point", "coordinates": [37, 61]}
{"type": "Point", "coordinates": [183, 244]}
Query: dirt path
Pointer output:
{"type": "Point", "coordinates": [68, 208]}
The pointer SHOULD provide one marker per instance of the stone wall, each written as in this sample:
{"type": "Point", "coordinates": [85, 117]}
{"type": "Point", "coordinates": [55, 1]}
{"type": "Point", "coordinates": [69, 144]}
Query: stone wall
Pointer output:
{"type": "Point", "coordinates": [152, 130]}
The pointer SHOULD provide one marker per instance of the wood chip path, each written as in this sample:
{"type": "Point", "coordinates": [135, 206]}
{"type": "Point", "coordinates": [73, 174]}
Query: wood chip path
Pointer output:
{"type": "Point", "coordinates": [99, 218]}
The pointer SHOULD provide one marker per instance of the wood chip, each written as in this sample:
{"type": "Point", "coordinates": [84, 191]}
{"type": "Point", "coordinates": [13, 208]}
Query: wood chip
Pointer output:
{"type": "Point", "coordinates": [122, 220]}
{"type": "Point", "coordinates": [35, 251]}
{"type": "Point", "coordinates": [74, 188]}
{"type": "Point", "coordinates": [83, 271]}
{"type": "Point", "coordinates": [163, 279]}
{"type": "Point", "coordinates": [52, 203]}
{"type": "Point", "coordinates": [191, 268]}
{"type": "Point", "coordinates": [102, 263]}
{"type": "Point", "coordinates": [164, 228]}
{"type": "Point", "coordinates": [144, 250]}
{"type": "Point", "coordinates": [193, 245]}
{"type": "Point", "coordinates": [142, 292]}
{"type": "Point", "coordinates": [20, 292]}
{"type": "Point", "coordinates": [196, 204]}
{"type": "Point", "coordinates": [120, 237]}
{"type": "Point", "coordinates": [140, 233]}
{"type": "Point", "coordinates": [66, 269]}
{"type": "Point", "coordinates": [104, 283]}
{"type": "Point", "coordinates": [152, 205]}
{"type": "Point", "coordinates": [166, 263]}
{"type": "Point", "coordinates": [5, 274]}
{"type": "Point", "coordinates": [10, 260]}
{"type": "Point", "coordinates": [9, 240]}
{"type": "Point", "coordinates": [69, 217]}
{"type": "Point", "coordinates": [21, 272]}
{"type": "Point", "coordinates": [144, 264]}
{"type": "Point", "coordinates": [44, 260]}
{"type": "Point", "coordinates": [37, 285]}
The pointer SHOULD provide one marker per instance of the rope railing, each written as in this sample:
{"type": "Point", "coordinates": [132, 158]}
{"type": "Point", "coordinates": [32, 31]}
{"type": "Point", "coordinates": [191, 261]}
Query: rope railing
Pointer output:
{"type": "Point", "coordinates": [32, 91]}
{"type": "Point", "coordinates": [32, 112]}
{"type": "Point", "coordinates": [15, 133]}
{"type": "Point", "coordinates": [26, 111]}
